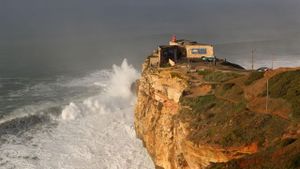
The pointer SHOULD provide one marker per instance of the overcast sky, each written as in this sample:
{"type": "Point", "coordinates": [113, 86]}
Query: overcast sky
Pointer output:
{"type": "Point", "coordinates": [84, 34]}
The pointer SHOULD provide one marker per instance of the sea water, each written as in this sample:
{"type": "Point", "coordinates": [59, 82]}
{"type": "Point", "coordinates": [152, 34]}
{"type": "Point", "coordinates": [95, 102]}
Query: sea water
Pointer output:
{"type": "Point", "coordinates": [71, 123]}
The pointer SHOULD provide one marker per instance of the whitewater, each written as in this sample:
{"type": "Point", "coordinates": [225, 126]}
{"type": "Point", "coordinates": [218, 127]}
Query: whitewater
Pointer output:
{"type": "Point", "coordinates": [90, 129]}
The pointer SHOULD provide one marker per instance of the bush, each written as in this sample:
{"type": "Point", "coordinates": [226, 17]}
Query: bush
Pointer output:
{"type": "Point", "coordinates": [296, 161]}
{"type": "Point", "coordinates": [201, 103]}
{"type": "Point", "coordinates": [204, 72]}
{"type": "Point", "coordinates": [219, 76]}
{"type": "Point", "coordinates": [228, 86]}
{"type": "Point", "coordinates": [253, 77]}
{"type": "Point", "coordinates": [287, 142]}
{"type": "Point", "coordinates": [287, 86]}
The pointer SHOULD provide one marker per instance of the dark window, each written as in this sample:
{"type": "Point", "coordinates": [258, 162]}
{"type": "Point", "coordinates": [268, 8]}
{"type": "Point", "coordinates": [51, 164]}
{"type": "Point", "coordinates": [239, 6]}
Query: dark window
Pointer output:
{"type": "Point", "coordinates": [199, 51]}
{"type": "Point", "coordinates": [202, 51]}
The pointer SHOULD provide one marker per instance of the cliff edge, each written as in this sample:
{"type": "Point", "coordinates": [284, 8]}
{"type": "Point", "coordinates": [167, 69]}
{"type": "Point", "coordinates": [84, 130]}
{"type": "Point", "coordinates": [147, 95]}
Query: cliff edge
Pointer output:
{"type": "Point", "coordinates": [219, 116]}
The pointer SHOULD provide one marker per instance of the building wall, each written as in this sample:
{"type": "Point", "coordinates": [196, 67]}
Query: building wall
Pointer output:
{"type": "Point", "coordinates": [154, 61]}
{"type": "Point", "coordinates": [168, 52]}
{"type": "Point", "coordinates": [209, 51]}
{"type": "Point", "coordinates": [173, 43]}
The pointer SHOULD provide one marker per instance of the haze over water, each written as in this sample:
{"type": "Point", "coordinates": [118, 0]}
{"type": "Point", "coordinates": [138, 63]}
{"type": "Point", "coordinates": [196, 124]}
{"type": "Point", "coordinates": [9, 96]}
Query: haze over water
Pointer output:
{"type": "Point", "coordinates": [67, 36]}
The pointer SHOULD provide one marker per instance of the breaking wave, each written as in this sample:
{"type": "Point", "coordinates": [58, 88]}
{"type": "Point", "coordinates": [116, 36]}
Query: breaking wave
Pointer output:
{"type": "Point", "coordinates": [90, 132]}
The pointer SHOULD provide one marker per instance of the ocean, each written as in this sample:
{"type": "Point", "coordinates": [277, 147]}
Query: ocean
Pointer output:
{"type": "Point", "coordinates": [71, 122]}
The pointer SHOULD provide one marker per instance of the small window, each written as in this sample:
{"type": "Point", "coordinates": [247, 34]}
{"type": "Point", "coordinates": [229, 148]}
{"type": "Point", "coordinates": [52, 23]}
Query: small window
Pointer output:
{"type": "Point", "coordinates": [202, 51]}
{"type": "Point", "coordinates": [199, 51]}
{"type": "Point", "coordinates": [195, 51]}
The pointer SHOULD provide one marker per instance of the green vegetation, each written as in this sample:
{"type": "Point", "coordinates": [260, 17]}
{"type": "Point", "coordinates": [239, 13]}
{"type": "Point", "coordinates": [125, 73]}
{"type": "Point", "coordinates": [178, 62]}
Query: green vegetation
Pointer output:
{"type": "Point", "coordinates": [223, 118]}
{"type": "Point", "coordinates": [287, 86]}
{"type": "Point", "coordinates": [217, 76]}
{"type": "Point", "coordinates": [226, 63]}
{"type": "Point", "coordinates": [253, 77]}
{"type": "Point", "coordinates": [295, 161]}
{"type": "Point", "coordinates": [231, 92]}
{"type": "Point", "coordinates": [228, 86]}
{"type": "Point", "coordinates": [287, 142]}
{"type": "Point", "coordinates": [253, 127]}
{"type": "Point", "coordinates": [199, 104]}
{"type": "Point", "coordinates": [204, 72]}
{"type": "Point", "coordinates": [218, 121]}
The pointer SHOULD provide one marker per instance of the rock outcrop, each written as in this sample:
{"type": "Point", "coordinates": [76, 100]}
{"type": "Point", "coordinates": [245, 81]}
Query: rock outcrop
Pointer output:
{"type": "Point", "coordinates": [202, 119]}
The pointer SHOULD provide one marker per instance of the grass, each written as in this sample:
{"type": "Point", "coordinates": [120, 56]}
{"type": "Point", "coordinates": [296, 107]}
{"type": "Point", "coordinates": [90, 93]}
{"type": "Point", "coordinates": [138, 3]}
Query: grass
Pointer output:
{"type": "Point", "coordinates": [295, 161]}
{"type": "Point", "coordinates": [204, 72]}
{"type": "Point", "coordinates": [231, 91]}
{"type": "Point", "coordinates": [287, 142]}
{"type": "Point", "coordinates": [228, 86]}
{"type": "Point", "coordinates": [200, 104]}
{"type": "Point", "coordinates": [253, 77]}
{"type": "Point", "coordinates": [287, 86]}
{"type": "Point", "coordinates": [217, 121]}
{"type": "Point", "coordinates": [253, 128]}
{"type": "Point", "coordinates": [213, 120]}
{"type": "Point", "coordinates": [232, 65]}
{"type": "Point", "coordinates": [217, 76]}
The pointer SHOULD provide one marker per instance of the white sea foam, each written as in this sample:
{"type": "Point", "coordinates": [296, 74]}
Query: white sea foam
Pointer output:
{"type": "Point", "coordinates": [94, 133]}
{"type": "Point", "coordinates": [70, 112]}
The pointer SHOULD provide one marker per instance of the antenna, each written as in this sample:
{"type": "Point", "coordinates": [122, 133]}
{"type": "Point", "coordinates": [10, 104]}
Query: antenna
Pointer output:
{"type": "Point", "coordinates": [272, 62]}
{"type": "Point", "coordinates": [252, 59]}
{"type": "Point", "coordinates": [267, 97]}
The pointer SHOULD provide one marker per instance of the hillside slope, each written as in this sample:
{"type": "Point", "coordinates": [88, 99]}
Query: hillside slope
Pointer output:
{"type": "Point", "coordinates": [216, 117]}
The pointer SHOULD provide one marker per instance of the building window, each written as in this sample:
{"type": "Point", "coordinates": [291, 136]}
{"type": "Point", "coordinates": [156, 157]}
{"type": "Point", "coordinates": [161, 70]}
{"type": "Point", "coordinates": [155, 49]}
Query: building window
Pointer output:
{"type": "Point", "coordinates": [195, 51]}
{"type": "Point", "coordinates": [199, 51]}
{"type": "Point", "coordinates": [202, 51]}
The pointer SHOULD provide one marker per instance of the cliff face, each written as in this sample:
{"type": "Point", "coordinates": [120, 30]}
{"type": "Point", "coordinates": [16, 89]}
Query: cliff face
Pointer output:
{"type": "Point", "coordinates": [157, 104]}
{"type": "Point", "coordinates": [204, 119]}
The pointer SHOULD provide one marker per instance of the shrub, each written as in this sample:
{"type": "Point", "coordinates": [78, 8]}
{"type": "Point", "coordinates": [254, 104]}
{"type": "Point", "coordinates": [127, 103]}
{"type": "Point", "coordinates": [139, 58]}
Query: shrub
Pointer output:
{"type": "Point", "coordinates": [296, 161]}
{"type": "Point", "coordinates": [287, 86]}
{"type": "Point", "coordinates": [287, 142]}
{"type": "Point", "coordinates": [204, 72]}
{"type": "Point", "coordinates": [231, 91]}
{"type": "Point", "coordinates": [219, 76]}
{"type": "Point", "coordinates": [201, 103]}
{"type": "Point", "coordinates": [228, 86]}
{"type": "Point", "coordinates": [253, 77]}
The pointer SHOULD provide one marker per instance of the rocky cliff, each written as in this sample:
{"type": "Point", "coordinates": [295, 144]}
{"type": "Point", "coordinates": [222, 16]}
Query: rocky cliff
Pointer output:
{"type": "Point", "coordinates": [216, 117]}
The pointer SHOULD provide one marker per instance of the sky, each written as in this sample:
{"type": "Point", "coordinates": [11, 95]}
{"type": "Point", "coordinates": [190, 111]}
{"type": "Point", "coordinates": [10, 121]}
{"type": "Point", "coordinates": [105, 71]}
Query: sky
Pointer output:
{"type": "Point", "coordinates": [60, 36]}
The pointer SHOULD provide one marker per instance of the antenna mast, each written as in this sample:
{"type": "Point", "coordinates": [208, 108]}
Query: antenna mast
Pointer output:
{"type": "Point", "coordinates": [252, 59]}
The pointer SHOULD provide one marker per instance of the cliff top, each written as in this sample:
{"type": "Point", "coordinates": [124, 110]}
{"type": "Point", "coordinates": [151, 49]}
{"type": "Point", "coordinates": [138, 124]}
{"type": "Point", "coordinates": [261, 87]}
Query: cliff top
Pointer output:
{"type": "Point", "coordinates": [228, 108]}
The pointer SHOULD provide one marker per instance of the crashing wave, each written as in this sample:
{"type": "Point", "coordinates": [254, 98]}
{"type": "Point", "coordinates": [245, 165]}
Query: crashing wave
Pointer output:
{"type": "Point", "coordinates": [91, 133]}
